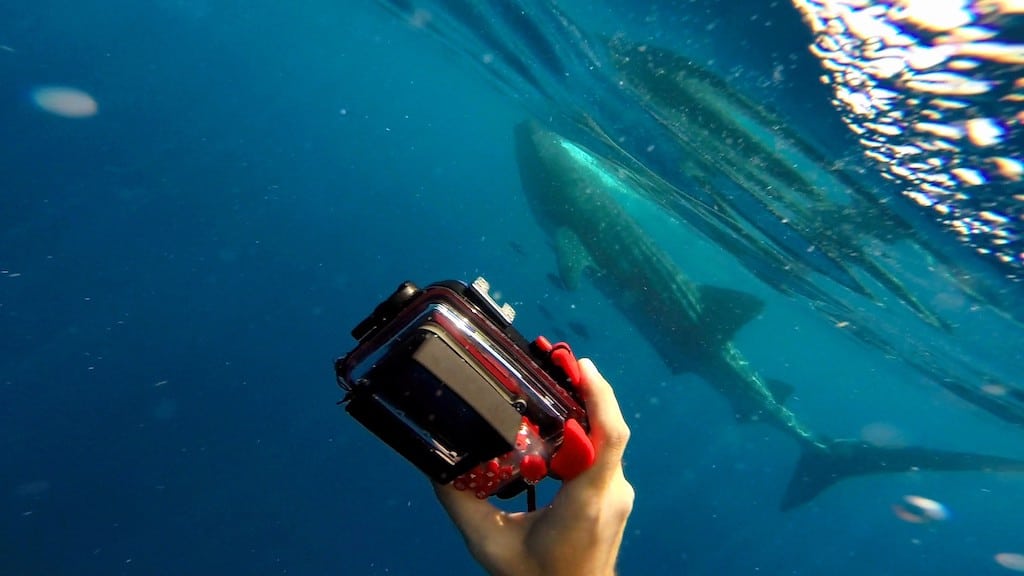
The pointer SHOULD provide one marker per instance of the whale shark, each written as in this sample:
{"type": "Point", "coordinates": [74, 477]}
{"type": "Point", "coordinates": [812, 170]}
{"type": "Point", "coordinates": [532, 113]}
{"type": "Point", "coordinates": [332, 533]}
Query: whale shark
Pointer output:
{"type": "Point", "coordinates": [574, 195]}
{"type": "Point", "coordinates": [784, 184]}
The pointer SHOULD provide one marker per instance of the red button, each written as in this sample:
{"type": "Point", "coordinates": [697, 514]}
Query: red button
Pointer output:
{"type": "Point", "coordinates": [533, 468]}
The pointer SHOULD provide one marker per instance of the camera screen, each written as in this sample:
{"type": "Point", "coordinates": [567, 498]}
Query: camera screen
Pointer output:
{"type": "Point", "coordinates": [436, 408]}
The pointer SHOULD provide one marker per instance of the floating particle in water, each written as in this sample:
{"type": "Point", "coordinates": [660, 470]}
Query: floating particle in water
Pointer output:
{"type": "Point", "coordinates": [35, 488]}
{"type": "Point", "coordinates": [1010, 561]}
{"type": "Point", "coordinates": [994, 389]}
{"type": "Point", "coordinates": [920, 510]}
{"type": "Point", "coordinates": [883, 434]}
{"type": "Point", "coordinates": [420, 18]}
{"type": "Point", "coordinates": [65, 101]}
{"type": "Point", "coordinates": [167, 409]}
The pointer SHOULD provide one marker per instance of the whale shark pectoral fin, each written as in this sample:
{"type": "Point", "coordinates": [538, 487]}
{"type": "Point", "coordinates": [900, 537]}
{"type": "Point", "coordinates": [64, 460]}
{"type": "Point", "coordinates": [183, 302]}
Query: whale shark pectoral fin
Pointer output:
{"type": "Point", "coordinates": [780, 390]}
{"type": "Point", "coordinates": [725, 310]}
{"type": "Point", "coordinates": [572, 257]}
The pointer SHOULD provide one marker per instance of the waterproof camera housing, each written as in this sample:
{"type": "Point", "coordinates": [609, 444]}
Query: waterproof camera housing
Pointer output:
{"type": "Point", "coordinates": [441, 376]}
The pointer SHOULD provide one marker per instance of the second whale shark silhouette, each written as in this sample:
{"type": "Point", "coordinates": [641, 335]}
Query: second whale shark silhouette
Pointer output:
{"type": "Point", "coordinates": [572, 193]}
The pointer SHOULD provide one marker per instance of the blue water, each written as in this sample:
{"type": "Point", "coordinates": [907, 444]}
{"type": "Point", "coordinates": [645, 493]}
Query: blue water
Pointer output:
{"type": "Point", "coordinates": [180, 269]}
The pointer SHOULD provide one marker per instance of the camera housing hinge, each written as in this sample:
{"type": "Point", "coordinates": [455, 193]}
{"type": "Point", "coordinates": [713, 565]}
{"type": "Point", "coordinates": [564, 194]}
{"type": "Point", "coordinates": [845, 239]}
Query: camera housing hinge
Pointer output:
{"type": "Point", "coordinates": [483, 289]}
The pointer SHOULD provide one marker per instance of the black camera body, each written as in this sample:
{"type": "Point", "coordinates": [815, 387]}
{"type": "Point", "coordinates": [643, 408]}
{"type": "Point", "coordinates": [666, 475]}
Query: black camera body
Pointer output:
{"type": "Point", "coordinates": [441, 376]}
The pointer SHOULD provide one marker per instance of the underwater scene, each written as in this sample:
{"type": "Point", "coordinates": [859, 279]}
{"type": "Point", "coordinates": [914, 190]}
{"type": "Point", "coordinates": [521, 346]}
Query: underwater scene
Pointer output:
{"type": "Point", "coordinates": [788, 233]}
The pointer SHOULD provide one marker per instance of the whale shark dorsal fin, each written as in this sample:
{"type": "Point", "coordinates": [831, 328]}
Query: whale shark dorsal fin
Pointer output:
{"type": "Point", "coordinates": [725, 310]}
{"type": "Point", "coordinates": [572, 257]}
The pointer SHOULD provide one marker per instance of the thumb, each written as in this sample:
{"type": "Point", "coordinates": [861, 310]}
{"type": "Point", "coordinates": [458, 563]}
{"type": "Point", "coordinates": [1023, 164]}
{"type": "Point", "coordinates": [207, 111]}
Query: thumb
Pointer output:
{"type": "Point", "coordinates": [608, 428]}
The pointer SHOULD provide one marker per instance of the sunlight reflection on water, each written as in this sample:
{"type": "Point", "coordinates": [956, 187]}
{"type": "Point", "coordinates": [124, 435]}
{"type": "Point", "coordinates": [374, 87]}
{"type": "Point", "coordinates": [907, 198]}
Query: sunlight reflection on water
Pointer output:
{"type": "Point", "coordinates": [933, 89]}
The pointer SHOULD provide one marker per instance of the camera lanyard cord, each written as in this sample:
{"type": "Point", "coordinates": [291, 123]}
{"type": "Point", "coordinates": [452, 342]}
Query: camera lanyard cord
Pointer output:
{"type": "Point", "coordinates": [531, 498]}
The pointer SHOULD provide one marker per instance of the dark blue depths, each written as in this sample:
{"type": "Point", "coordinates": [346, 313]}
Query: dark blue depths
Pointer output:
{"type": "Point", "coordinates": [180, 270]}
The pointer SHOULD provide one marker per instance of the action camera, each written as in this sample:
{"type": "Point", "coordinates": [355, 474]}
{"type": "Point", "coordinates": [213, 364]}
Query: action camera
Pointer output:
{"type": "Point", "coordinates": [441, 376]}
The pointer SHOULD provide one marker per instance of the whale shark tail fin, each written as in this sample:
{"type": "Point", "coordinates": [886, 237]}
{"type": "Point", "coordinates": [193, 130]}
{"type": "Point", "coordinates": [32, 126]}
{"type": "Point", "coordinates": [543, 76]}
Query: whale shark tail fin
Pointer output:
{"type": "Point", "coordinates": [820, 467]}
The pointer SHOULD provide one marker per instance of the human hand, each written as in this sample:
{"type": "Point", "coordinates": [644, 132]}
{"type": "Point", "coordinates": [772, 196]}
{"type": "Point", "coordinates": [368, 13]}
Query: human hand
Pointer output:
{"type": "Point", "coordinates": [580, 533]}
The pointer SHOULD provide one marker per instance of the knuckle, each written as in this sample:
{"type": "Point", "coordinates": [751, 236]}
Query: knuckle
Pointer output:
{"type": "Point", "coordinates": [629, 495]}
{"type": "Point", "coordinates": [490, 551]}
{"type": "Point", "coordinates": [625, 497]}
{"type": "Point", "coordinates": [618, 436]}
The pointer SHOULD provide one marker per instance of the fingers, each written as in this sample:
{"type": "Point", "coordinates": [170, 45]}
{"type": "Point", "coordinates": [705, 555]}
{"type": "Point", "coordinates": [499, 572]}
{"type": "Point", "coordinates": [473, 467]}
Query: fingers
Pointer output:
{"type": "Point", "coordinates": [473, 516]}
{"type": "Point", "coordinates": [608, 428]}
{"type": "Point", "coordinates": [493, 537]}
